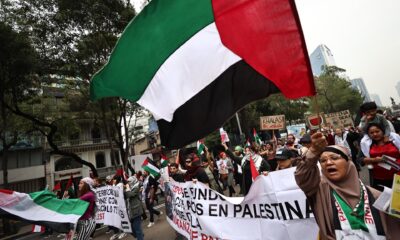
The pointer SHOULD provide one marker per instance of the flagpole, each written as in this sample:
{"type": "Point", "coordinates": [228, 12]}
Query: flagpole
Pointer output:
{"type": "Point", "coordinates": [318, 110]}
{"type": "Point", "coordinates": [238, 122]}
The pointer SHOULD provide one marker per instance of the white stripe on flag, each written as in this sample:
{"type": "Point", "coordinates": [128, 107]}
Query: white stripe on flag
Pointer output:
{"type": "Point", "coordinates": [26, 208]}
{"type": "Point", "coordinates": [152, 167]}
{"type": "Point", "coordinates": [37, 228]}
{"type": "Point", "coordinates": [191, 68]}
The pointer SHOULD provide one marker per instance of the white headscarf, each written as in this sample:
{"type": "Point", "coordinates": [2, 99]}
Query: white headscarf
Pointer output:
{"type": "Point", "coordinates": [89, 181]}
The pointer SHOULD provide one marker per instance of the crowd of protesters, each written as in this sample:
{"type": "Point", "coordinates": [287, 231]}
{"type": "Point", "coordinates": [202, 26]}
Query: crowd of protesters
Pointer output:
{"type": "Point", "coordinates": [327, 161]}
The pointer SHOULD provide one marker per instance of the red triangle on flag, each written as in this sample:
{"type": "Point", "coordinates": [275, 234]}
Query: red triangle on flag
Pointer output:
{"type": "Point", "coordinates": [57, 186]}
{"type": "Point", "coordinates": [70, 183]}
{"type": "Point", "coordinates": [121, 172]}
{"type": "Point", "coordinates": [254, 172]}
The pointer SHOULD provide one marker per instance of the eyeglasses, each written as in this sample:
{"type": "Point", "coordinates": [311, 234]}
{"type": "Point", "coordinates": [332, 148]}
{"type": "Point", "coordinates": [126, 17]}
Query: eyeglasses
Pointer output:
{"type": "Point", "coordinates": [333, 157]}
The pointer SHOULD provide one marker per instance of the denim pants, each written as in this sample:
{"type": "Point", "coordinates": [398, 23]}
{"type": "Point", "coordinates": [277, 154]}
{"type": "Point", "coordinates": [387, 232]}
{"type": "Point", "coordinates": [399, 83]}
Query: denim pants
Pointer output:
{"type": "Point", "coordinates": [136, 224]}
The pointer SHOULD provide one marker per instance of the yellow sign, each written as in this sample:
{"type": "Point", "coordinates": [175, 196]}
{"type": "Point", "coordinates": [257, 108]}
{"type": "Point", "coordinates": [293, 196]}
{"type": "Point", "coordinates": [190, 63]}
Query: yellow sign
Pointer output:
{"type": "Point", "coordinates": [395, 202]}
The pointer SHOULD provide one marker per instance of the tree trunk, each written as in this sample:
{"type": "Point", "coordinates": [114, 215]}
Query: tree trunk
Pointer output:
{"type": "Point", "coordinates": [50, 135]}
{"type": "Point", "coordinates": [108, 134]}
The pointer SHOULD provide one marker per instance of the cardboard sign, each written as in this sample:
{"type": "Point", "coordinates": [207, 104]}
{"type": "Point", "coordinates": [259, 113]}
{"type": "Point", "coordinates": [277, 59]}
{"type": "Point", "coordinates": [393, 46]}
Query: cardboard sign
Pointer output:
{"type": "Point", "coordinates": [272, 122]}
{"type": "Point", "coordinates": [224, 135]}
{"type": "Point", "coordinates": [315, 121]}
{"type": "Point", "coordinates": [339, 119]}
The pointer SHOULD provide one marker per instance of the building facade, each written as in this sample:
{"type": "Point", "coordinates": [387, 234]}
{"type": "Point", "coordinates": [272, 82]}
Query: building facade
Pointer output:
{"type": "Point", "coordinates": [92, 146]}
{"type": "Point", "coordinates": [25, 168]}
{"type": "Point", "coordinates": [322, 56]}
{"type": "Point", "coordinates": [376, 99]}
{"type": "Point", "coordinates": [358, 84]}
{"type": "Point", "coordinates": [398, 88]}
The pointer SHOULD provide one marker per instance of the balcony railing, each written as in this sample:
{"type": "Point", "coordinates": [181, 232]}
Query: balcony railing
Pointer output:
{"type": "Point", "coordinates": [104, 172]}
{"type": "Point", "coordinates": [78, 142]}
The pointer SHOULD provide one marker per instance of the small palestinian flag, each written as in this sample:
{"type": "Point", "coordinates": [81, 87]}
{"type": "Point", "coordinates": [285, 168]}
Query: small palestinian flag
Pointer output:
{"type": "Point", "coordinates": [179, 56]}
{"type": "Point", "coordinates": [38, 228]}
{"type": "Point", "coordinates": [121, 172]}
{"type": "Point", "coordinates": [253, 169]}
{"type": "Point", "coordinates": [150, 167]}
{"type": "Point", "coordinates": [164, 161]}
{"type": "Point", "coordinates": [42, 208]}
{"type": "Point", "coordinates": [70, 185]}
{"type": "Point", "coordinates": [248, 144]}
{"type": "Point", "coordinates": [57, 186]}
{"type": "Point", "coordinates": [257, 139]}
{"type": "Point", "coordinates": [200, 147]}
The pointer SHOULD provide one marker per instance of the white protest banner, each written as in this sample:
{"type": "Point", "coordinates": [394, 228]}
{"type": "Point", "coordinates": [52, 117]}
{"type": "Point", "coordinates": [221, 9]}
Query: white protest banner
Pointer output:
{"type": "Point", "coordinates": [339, 119]}
{"type": "Point", "coordinates": [272, 122]}
{"type": "Point", "coordinates": [273, 209]}
{"type": "Point", "coordinates": [111, 208]}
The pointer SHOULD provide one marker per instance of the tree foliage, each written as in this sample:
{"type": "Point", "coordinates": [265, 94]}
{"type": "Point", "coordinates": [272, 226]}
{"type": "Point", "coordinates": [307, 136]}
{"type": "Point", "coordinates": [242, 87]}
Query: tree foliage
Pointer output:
{"type": "Point", "coordinates": [334, 93]}
{"type": "Point", "coordinates": [72, 39]}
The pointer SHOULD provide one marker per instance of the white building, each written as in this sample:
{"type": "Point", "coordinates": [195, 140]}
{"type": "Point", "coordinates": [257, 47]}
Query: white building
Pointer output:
{"type": "Point", "coordinates": [321, 57]}
{"type": "Point", "coordinates": [92, 146]}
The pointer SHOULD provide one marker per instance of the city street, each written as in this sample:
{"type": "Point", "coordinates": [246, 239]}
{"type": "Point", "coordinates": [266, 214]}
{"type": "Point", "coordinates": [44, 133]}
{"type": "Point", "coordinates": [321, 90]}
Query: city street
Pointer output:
{"type": "Point", "coordinates": [161, 230]}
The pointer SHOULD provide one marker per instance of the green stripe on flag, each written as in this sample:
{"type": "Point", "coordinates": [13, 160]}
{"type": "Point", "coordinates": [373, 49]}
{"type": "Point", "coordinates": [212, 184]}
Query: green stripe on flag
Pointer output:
{"type": "Point", "coordinates": [156, 33]}
{"type": "Point", "coordinates": [164, 163]}
{"type": "Point", "coordinates": [49, 200]}
{"type": "Point", "coordinates": [200, 149]}
{"type": "Point", "coordinates": [152, 171]}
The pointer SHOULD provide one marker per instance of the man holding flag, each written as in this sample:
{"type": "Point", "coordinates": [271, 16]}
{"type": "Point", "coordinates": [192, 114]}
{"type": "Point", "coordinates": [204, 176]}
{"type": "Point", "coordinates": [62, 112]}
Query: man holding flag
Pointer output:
{"type": "Point", "coordinates": [151, 174]}
{"type": "Point", "coordinates": [252, 165]}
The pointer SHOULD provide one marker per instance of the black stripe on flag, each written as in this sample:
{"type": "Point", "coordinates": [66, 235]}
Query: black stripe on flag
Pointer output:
{"type": "Point", "coordinates": [238, 86]}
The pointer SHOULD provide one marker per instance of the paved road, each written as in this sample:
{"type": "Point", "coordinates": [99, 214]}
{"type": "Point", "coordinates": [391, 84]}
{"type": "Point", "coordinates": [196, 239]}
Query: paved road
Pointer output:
{"type": "Point", "coordinates": [160, 231]}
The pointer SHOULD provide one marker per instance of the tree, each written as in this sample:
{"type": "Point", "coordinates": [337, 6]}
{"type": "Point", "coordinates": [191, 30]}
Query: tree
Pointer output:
{"type": "Point", "coordinates": [334, 93]}
{"type": "Point", "coordinates": [17, 62]}
{"type": "Point", "coordinates": [73, 39]}
{"type": "Point", "coordinates": [16, 65]}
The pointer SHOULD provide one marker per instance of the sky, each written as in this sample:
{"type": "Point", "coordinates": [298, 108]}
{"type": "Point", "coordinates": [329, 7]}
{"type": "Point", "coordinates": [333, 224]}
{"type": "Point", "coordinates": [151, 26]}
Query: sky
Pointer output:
{"type": "Point", "coordinates": [363, 35]}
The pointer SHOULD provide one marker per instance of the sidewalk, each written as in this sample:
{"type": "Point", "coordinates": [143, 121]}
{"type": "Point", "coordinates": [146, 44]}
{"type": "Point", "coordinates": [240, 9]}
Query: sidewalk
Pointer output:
{"type": "Point", "coordinates": [23, 231]}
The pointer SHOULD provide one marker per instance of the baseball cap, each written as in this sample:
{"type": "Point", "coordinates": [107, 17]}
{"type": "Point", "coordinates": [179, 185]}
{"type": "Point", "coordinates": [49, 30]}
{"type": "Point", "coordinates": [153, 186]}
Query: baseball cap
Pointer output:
{"type": "Point", "coordinates": [283, 154]}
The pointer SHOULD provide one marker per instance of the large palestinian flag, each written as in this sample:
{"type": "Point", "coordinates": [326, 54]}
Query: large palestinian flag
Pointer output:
{"type": "Point", "coordinates": [194, 63]}
{"type": "Point", "coordinates": [42, 208]}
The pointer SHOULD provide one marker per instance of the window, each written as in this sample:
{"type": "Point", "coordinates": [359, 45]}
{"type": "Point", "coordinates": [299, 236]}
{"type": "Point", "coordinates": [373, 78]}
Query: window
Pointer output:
{"type": "Point", "coordinates": [116, 157]}
{"type": "Point", "coordinates": [36, 158]}
{"type": "Point", "coordinates": [23, 159]}
{"type": "Point", "coordinates": [96, 134]}
{"type": "Point", "coordinates": [100, 160]}
{"type": "Point", "coordinates": [12, 160]}
{"type": "Point", "coordinates": [66, 163]}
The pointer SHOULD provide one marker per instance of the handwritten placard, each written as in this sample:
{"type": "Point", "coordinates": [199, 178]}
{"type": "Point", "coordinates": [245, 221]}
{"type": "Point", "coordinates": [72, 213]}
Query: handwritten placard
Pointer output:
{"type": "Point", "coordinates": [272, 122]}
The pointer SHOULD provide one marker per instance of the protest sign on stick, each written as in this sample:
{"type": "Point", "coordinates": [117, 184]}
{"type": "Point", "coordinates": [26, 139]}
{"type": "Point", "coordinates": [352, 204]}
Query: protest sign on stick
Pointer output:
{"type": "Point", "coordinates": [340, 119]}
{"type": "Point", "coordinates": [275, 122]}
{"type": "Point", "coordinates": [111, 208]}
{"type": "Point", "coordinates": [315, 121]}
